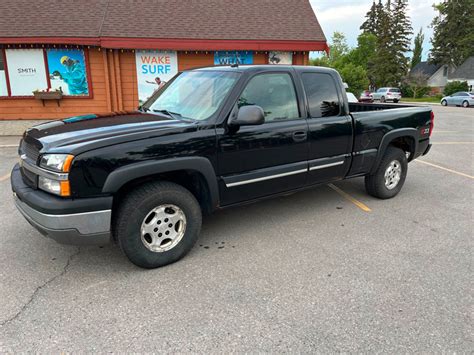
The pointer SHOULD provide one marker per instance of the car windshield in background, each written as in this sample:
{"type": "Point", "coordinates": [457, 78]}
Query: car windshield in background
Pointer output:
{"type": "Point", "coordinates": [394, 90]}
{"type": "Point", "coordinates": [195, 94]}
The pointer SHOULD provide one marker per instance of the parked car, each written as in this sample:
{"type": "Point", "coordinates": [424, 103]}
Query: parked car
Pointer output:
{"type": "Point", "coordinates": [351, 97]}
{"type": "Point", "coordinates": [211, 138]}
{"type": "Point", "coordinates": [387, 94]}
{"type": "Point", "coordinates": [461, 98]}
{"type": "Point", "coordinates": [366, 96]}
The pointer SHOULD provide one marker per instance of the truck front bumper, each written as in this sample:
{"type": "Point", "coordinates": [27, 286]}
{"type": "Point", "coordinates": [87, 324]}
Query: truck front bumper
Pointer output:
{"type": "Point", "coordinates": [67, 221]}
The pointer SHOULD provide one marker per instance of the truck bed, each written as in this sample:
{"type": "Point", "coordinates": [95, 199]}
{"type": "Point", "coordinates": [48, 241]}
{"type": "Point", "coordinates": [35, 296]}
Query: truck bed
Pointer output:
{"type": "Point", "coordinates": [363, 107]}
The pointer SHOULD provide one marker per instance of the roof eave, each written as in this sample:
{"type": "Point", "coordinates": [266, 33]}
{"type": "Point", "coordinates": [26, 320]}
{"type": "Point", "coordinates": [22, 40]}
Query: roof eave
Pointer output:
{"type": "Point", "coordinates": [175, 44]}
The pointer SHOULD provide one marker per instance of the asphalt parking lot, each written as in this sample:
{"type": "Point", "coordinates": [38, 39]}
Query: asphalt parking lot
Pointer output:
{"type": "Point", "coordinates": [329, 270]}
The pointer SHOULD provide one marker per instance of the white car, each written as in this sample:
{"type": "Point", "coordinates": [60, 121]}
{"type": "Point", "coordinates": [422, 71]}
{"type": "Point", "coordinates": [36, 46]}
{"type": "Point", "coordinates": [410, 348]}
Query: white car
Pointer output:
{"type": "Point", "coordinates": [351, 97]}
{"type": "Point", "coordinates": [387, 94]}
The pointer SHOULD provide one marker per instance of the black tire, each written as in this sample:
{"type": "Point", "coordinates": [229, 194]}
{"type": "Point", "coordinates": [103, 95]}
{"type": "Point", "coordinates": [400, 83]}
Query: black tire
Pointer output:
{"type": "Point", "coordinates": [444, 102]}
{"type": "Point", "coordinates": [382, 99]}
{"type": "Point", "coordinates": [375, 183]}
{"type": "Point", "coordinates": [465, 103]}
{"type": "Point", "coordinates": [137, 205]}
{"type": "Point", "coordinates": [395, 100]}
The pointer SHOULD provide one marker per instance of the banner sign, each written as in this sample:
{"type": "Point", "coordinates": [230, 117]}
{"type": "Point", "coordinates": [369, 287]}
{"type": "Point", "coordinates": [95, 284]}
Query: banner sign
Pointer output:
{"type": "Point", "coordinates": [233, 57]}
{"type": "Point", "coordinates": [276, 57]}
{"type": "Point", "coordinates": [26, 71]}
{"type": "Point", "coordinates": [3, 79]}
{"type": "Point", "coordinates": [67, 71]}
{"type": "Point", "coordinates": [154, 69]}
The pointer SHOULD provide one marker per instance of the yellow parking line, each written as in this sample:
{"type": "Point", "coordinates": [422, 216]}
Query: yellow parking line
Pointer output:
{"type": "Point", "coordinates": [348, 197]}
{"type": "Point", "coordinates": [445, 169]}
{"type": "Point", "coordinates": [4, 177]}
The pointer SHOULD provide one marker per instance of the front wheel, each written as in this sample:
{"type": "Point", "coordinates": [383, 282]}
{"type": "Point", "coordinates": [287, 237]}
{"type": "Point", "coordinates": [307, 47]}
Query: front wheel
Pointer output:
{"type": "Point", "coordinates": [444, 102]}
{"type": "Point", "coordinates": [465, 104]}
{"type": "Point", "coordinates": [157, 224]}
{"type": "Point", "coordinates": [388, 179]}
{"type": "Point", "coordinates": [382, 99]}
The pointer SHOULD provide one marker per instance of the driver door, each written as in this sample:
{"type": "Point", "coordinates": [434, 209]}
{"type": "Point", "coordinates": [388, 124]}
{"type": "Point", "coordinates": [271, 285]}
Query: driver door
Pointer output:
{"type": "Point", "coordinates": [256, 161]}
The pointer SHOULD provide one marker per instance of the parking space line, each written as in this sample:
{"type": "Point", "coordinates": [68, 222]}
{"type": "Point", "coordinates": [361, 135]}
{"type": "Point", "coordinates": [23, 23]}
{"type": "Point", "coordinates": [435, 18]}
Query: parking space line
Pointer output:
{"type": "Point", "coordinates": [348, 197]}
{"type": "Point", "coordinates": [445, 169]}
{"type": "Point", "coordinates": [5, 177]}
{"type": "Point", "coordinates": [438, 143]}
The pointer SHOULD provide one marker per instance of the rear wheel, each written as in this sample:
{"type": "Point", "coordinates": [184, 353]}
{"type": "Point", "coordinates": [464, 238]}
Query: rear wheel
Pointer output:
{"type": "Point", "coordinates": [157, 224]}
{"type": "Point", "coordinates": [388, 179]}
{"type": "Point", "coordinates": [444, 102]}
{"type": "Point", "coordinates": [465, 103]}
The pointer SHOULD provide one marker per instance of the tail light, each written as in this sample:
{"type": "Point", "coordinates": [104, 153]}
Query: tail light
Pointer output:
{"type": "Point", "coordinates": [431, 122]}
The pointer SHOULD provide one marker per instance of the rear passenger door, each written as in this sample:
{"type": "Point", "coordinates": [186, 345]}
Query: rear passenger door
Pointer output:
{"type": "Point", "coordinates": [330, 129]}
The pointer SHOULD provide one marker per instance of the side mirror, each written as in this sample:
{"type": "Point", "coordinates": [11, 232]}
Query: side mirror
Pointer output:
{"type": "Point", "coordinates": [250, 115]}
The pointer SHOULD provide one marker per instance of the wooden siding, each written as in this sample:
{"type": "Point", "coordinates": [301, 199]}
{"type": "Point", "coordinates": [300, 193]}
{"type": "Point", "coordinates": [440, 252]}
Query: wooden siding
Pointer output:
{"type": "Point", "coordinates": [114, 86]}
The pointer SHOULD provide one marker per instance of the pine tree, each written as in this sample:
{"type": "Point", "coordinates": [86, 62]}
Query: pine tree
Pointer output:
{"type": "Point", "coordinates": [418, 49]}
{"type": "Point", "coordinates": [401, 32]}
{"type": "Point", "coordinates": [453, 32]}
{"type": "Point", "coordinates": [370, 24]}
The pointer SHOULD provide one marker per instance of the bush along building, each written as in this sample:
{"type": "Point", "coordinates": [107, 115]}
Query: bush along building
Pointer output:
{"type": "Point", "coordinates": [112, 55]}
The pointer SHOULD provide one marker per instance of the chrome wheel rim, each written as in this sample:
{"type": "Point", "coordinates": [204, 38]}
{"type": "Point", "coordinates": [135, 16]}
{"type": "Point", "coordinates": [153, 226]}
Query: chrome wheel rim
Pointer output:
{"type": "Point", "coordinates": [465, 104]}
{"type": "Point", "coordinates": [163, 228]}
{"type": "Point", "coordinates": [393, 174]}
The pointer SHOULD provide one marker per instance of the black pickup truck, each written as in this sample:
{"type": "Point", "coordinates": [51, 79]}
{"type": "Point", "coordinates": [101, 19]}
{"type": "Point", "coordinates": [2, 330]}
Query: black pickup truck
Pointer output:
{"type": "Point", "coordinates": [209, 139]}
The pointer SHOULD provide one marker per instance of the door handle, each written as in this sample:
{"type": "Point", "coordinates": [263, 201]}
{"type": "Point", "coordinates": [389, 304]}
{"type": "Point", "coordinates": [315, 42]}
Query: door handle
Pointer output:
{"type": "Point", "coordinates": [299, 136]}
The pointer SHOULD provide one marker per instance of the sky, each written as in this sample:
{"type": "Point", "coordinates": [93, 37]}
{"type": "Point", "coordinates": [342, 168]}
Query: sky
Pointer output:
{"type": "Point", "coordinates": [346, 16]}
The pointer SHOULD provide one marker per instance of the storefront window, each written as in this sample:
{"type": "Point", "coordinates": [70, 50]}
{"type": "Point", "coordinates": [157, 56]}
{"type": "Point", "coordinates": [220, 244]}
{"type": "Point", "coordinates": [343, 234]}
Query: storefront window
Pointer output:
{"type": "Point", "coordinates": [23, 71]}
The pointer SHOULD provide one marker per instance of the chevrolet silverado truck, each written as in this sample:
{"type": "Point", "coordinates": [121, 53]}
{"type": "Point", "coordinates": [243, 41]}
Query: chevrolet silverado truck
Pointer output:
{"type": "Point", "coordinates": [211, 138]}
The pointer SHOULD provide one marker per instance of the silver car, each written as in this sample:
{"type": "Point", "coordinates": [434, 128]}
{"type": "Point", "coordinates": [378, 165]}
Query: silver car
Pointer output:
{"type": "Point", "coordinates": [461, 98]}
{"type": "Point", "coordinates": [387, 94]}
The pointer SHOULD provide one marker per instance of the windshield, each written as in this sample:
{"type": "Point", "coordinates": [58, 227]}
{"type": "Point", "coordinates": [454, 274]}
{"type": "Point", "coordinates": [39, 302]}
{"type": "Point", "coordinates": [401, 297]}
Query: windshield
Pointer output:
{"type": "Point", "coordinates": [394, 90]}
{"type": "Point", "coordinates": [195, 94]}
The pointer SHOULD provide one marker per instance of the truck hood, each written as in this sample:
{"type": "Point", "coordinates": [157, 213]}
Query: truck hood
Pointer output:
{"type": "Point", "coordinates": [81, 133]}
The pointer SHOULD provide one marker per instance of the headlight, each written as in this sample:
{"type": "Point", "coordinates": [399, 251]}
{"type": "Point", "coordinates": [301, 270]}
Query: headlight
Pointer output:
{"type": "Point", "coordinates": [56, 187]}
{"type": "Point", "coordinates": [57, 162]}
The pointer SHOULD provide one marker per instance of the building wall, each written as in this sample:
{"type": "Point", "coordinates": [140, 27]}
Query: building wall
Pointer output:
{"type": "Point", "coordinates": [114, 86]}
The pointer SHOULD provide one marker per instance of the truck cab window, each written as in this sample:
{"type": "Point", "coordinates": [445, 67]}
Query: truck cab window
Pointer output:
{"type": "Point", "coordinates": [322, 95]}
{"type": "Point", "coordinates": [274, 93]}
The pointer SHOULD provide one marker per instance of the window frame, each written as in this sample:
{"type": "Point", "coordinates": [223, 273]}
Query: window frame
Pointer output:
{"type": "Point", "coordinates": [338, 93]}
{"type": "Point", "coordinates": [297, 97]}
{"type": "Point", "coordinates": [3, 53]}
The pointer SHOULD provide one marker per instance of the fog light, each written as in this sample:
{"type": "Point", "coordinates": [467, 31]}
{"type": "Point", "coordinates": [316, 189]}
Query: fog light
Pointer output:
{"type": "Point", "coordinates": [56, 187]}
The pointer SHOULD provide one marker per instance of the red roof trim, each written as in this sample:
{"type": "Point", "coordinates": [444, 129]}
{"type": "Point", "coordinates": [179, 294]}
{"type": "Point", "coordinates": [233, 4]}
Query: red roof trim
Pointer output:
{"type": "Point", "coordinates": [173, 44]}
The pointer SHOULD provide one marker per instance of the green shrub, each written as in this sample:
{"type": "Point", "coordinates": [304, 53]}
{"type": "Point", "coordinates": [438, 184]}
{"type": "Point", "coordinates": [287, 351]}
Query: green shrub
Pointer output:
{"type": "Point", "coordinates": [455, 86]}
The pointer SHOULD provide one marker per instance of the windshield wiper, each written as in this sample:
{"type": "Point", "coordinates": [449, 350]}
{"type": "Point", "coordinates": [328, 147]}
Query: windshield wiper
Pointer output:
{"type": "Point", "coordinates": [173, 115]}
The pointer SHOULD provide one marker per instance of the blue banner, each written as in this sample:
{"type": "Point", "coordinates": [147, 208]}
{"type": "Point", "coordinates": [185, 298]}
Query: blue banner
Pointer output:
{"type": "Point", "coordinates": [233, 57]}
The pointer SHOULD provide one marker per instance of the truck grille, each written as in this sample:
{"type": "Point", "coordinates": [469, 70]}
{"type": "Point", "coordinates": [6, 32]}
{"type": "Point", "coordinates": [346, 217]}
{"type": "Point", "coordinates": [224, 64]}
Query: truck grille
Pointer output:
{"type": "Point", "coordinates": [32, 153]}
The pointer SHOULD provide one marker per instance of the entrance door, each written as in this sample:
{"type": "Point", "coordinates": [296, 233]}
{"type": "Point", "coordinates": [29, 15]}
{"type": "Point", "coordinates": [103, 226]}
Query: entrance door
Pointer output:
{"type": "Point", "coordinates": [255, 161]}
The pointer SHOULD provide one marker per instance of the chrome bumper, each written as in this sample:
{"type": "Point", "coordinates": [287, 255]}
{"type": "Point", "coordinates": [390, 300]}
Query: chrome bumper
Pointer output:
{"type": "Point", "coordinates": [77, 228]}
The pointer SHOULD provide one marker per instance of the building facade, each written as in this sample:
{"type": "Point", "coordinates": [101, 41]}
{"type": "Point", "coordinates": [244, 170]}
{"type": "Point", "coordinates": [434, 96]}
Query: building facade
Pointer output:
{"type": "Point", "coordinates": [112, 55]}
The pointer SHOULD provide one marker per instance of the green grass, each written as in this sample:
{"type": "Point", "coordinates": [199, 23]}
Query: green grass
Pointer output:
{"type": "Point", "coordinates": [433, 99]}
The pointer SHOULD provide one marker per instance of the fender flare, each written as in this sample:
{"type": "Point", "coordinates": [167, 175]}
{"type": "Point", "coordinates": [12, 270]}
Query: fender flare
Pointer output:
{"type": "Point", "coordinates": [125, 174]}
{"type": "Point", "coordinates": [389, 137]}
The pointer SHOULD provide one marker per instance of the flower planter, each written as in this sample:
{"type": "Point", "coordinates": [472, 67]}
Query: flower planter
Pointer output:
{"type": "Point", "coordinates": [48, 95]}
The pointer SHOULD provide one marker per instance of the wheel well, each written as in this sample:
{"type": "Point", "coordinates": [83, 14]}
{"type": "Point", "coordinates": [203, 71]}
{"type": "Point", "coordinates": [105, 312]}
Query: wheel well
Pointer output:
{"type": "Point", "coordinates": [189, 179]}
{"type": "Point", "coordinates": [406, 143]}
